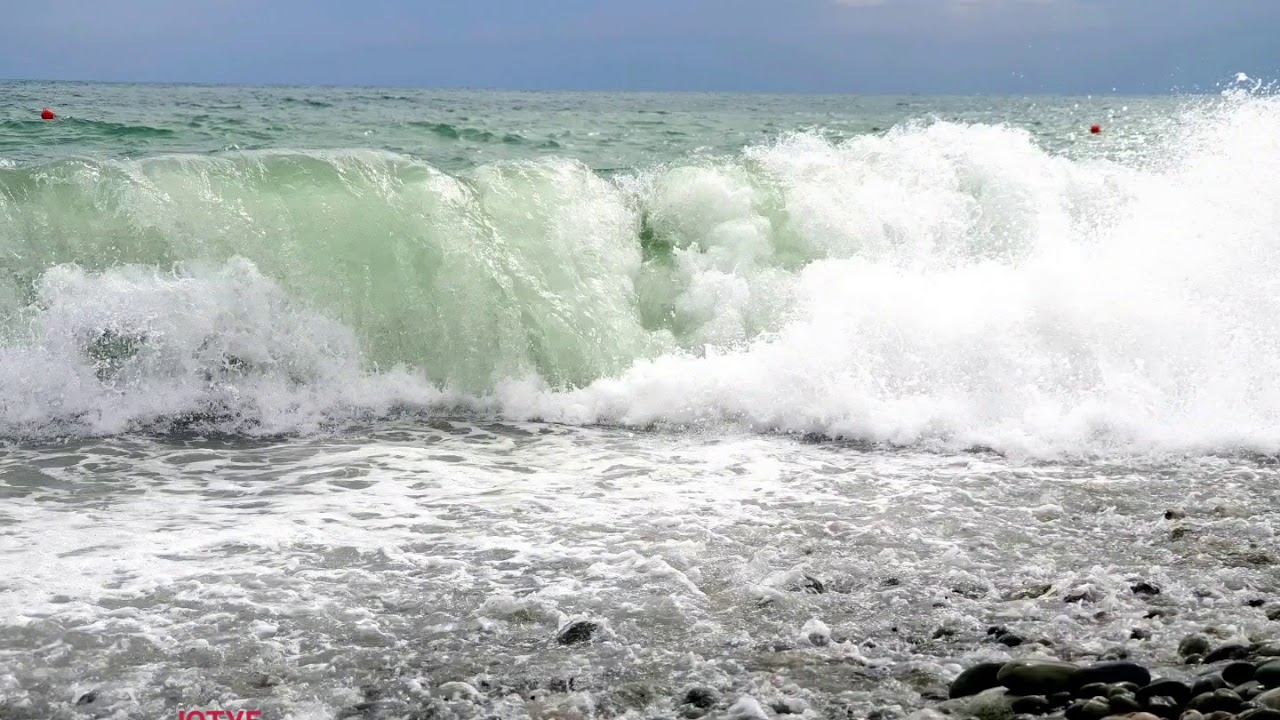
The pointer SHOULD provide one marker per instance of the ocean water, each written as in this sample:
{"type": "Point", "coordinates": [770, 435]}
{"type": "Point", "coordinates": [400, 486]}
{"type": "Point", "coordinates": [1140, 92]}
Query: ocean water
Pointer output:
{"type": "Point", "coordinates": [338, 403]}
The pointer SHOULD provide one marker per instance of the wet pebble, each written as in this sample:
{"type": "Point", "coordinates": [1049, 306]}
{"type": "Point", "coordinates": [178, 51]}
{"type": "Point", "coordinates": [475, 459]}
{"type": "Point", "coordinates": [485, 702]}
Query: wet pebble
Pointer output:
{"type": "Point", "coordinates": [1124, 703]}
{"type": "Point", "coordinates": [1230, 651]}
{"type": "Point", "coordinates": [1164, 707]}
{"type": "Point", "coordinates": [1092, 709]}
{"type": "Point", "coordinates": [1145, 589]}
{"type": "Point", "coordinates": [974, 680]}
{"type": "Point", "coordinates": [701, 696]}
{"type": "Point", "coordinates": [1038, 677]}
{"type": "Point", "coordinates": [577, 632]}
{"type": "Point", "coordinates": [1223, 699]}
{"type": "Point", "coordinates": [1269, 699]}
{"type": "Point", "coordinates": [1237, 673]}
{"type": "Point", "coordinates": [1196, 644]}
{"type": "Point", "coordinates": [1180, 692]}
{"type": "Point", "coordinates": [1030, 705]}
{"type": "Point", "coordinates": [1268, 674]}
{"type": "Point", "coordinates": [1250, 690]}
{"type": "Point", "coordinates": [1207, 684]}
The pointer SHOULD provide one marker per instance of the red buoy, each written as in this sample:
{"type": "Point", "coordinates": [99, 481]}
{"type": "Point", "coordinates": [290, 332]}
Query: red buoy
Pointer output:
{"type": "Point", "coordinates": [1095, 129]}
{"type": "Point", "coordinates": [47, 114]}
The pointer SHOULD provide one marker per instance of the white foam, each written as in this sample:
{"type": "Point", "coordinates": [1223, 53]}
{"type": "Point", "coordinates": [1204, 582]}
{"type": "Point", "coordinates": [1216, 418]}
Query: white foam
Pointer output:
{"type": "Point", "coordinates": [942, 284]}
{"type": "Point", "coordinates": [967, 288]}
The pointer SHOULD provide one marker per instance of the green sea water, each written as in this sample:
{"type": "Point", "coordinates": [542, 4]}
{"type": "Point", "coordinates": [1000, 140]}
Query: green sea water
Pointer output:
{"type": "Point", "coordinates": [456, 130]}
{"type": "Point", "coordinates": [478, 240]}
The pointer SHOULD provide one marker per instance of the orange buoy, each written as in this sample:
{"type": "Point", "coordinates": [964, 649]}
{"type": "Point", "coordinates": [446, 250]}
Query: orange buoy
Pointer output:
{"type": "Point", "coordinates": [1095, 129]}
{"type": "Point", "coordinates": [47, 114]}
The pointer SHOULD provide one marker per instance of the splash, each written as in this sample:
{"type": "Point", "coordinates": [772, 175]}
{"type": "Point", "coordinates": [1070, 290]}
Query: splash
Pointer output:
{"type": "Point", "coordinates": [941, 284]}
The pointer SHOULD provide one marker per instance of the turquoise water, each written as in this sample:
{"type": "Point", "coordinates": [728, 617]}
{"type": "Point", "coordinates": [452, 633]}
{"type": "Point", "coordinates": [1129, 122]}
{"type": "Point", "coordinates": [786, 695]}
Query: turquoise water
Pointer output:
{"type": "Point", "coordinates": [342, 254]}
{"type": "Point", "coordinates": [455, 130]}
{"type": "Point", "coordinates": [323, 401]}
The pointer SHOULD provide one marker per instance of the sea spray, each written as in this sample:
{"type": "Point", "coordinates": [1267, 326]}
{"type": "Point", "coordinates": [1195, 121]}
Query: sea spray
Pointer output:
{"type": "Point", "coordinates": [940, 284]}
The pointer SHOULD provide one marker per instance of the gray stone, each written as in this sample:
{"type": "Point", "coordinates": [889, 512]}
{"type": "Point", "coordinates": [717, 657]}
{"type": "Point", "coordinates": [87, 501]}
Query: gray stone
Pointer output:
{"type": "Point", "coordinates": [1163, 706]}
{"type": "Point", "coordinates": [1230, 651]}
{"type": "Point", "coordinates": [1259, 714]}
{"type": "Point", "coordinates": [1030, 705]}
{"type": "Point", "coordinates": [1269, 699]}
{"type": "Point", "coordinates": [1060, 700]}
{"type": "Point", "coordinates": [1091, 690]}
{"type": "Point", "coordinates": [974, 680]}
{"type": "Point", "coordinates": [1238, 672]}
{"type": "Point", "coordinates": [1038, 677]}
{"type": "Point", "coordinates": [1180, 692]}
{"type": "Point", "coordinates": [1268, 674]}
{"type": "Point", "coordinates": [1093, 709]}
{"type": "Point", "coordinates": [1196, 644]}
{"type": "Point", "coordinates": [1207, 684]}
{"type": "Point", "coordinates": [1250, 690]}
{"type": "Point", "coordinates": [1218, 700]}
{"type": "Point", "coordinates": [701, 696]}
{"type": "Point", "coordinates": [577, 632]}
{"type": "Point", "coordinates": [1124, 703]}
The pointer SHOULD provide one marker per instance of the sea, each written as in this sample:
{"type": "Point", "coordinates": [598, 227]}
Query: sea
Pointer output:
{"type": "Point", "coordinates": [379, 403]}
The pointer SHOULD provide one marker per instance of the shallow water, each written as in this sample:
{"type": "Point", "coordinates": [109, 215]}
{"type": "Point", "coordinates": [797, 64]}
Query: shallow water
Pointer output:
{"type": "Point", "coordinates": [306, 577]}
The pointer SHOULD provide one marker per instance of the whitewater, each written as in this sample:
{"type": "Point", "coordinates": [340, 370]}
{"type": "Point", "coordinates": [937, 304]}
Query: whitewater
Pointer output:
{"type": "Point", "coordinates": [345, 402]}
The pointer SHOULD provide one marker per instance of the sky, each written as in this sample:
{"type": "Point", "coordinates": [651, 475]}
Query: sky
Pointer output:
{"type": "Point", "coordinates": [837, 46]}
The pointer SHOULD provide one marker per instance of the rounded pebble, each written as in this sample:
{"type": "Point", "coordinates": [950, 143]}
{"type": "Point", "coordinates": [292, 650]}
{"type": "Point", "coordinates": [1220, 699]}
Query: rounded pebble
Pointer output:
{"type": "Point", "coordinates": [1207, 684]}
{"type": "Point", "coordinates": [1180, 692]}
{"type": "Point", "coordinates": [1219, 700]}
{"type": "Point", "coordinates": [1114, 672]}
{"type": "Point", "coordinates": [1230, 651]}
{"type": "Point", "coordinates": [1268, 674]}
{"type": "Point", "coordinates": [1030, 705]}
{"type": "Point", "coordinates": [1124, 703]}
{"type": "Point", "coordinates": [1270, 699]}
{"type": "Point", "coordinates": [1090, 690]}
{"type": "Point", "coordinates": [701, 697]}
{"type": "Point", "coordinates": [1196, 644]}
{"type": "Point", "coordinates": [1238, 672]}
{"type": "Point", "coordinates": [1038, 677]}
{"type": "Point", "coordinates": [974, 680]}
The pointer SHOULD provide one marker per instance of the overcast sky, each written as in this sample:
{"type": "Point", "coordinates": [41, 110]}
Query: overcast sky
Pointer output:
{"type": "Point", "coordinates": [857, 46]}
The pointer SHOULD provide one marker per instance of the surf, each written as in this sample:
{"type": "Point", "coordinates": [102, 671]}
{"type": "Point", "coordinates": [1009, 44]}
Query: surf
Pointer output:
{"type": "Point", "coordinates": [940, 284]}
